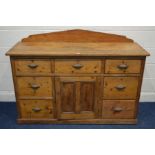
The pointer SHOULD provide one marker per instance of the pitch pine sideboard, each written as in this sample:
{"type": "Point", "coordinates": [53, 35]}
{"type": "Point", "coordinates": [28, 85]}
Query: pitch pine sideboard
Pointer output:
{"type": "Point", "coordinates": [77, 76]}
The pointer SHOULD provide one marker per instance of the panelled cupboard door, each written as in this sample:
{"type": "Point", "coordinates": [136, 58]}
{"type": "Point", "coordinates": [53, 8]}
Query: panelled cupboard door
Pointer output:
{"type": "Point", "coordinates": [77, 97]}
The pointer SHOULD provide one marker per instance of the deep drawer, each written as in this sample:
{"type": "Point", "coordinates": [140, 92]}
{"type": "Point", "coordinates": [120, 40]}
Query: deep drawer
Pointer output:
{"type": "Point", "coordinates": [34, 86]}
{"type": "Point", "coordinates": [118, 109]}
{"type": "Point", "coordinates": [120, 87]}
{"type": "Point", "coordinates": [122, 66]}
{"type": "Point", "coordinates": [33, 66]}
{"type": "Point", "coordinates": [77, 66]}
{"type": "Point", "coordinates": [36, 109]}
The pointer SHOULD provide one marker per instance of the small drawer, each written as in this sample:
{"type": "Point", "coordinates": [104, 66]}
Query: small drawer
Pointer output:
{"type": "Point", "coordinates": [77, 66]}
{"type": "Point", "coordinates": [34, 86]}
{"type": "Point", "coordinates": [33, 66]}
{"type": "Point", "coordinates": [36, 109]}
{"type": "Point", "coordinates": [120, 87]}
{"type": "Point", "coordinates": [116, 109]}
{"type": "Point", "coordinates": [122, 66]}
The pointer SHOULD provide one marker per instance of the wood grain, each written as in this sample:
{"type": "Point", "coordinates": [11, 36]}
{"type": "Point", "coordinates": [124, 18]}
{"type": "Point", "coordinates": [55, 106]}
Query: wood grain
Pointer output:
{"type": "Point", "coordinates": [118, 109]}
{"type": "Point", "coordinates": [36, 109]}
{"type": "Point", "coordinates": [129, 91]}
{"type": "Point", "coordinates": [76, 49]}
{"type": "Point", "coordinates": [78, 121]}
{"type": "Point", "coordinates": [87, 96]}
{"type": "Point", "coordinates": [24, 86]}
{"type": "Point", "coordinates": [38, 66]}
{"type": "Point", "coordinates": [77, 76]}
{"type": "Point", "coordinates": [114, 66]}
{"type": "Point", "coordinates": [77, 35]}
{"type": "Point", "coordinates": [68, 97]}
{"type": "Point", "coordinates": [85, 66]}
{"type": "Point", "coordinates": [76, 97]}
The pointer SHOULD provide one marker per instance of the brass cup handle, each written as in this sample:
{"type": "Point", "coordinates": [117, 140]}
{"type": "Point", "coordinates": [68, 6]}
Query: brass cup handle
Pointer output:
{"type": "Point", "coordinates": [32, 65]}
{"type": "Point", "coordinates": [35, 86]}
{"type": "Point", "coordinates": [36, 109]}
{"type": "Point", "coordinates": [120, 87]}
{"type": "Point", "coordinates": [117, 109]}
{"type": "Point", "coordinates": [77, 66]}
{"type": "Point", "coordinates": [122, 66]}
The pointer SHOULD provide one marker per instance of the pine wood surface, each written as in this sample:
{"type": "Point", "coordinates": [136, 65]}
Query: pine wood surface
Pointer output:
{"type": "Point", "coordinates": [77, 49]}
{"type": "Point", "coordinates": [77, 66]}
{"type": "Point", "coordinates": [77, 76]}
{"type": "Point", "coordinates": [77, 35]}
{"type": "Point", "coordinates": [120, 109]}
{"type": "Point", "coordinates": [130, 66]}
{"type": "Point", "coordinates": [128, 87]}
{"type": "Point", "coordinates": [36, 109]}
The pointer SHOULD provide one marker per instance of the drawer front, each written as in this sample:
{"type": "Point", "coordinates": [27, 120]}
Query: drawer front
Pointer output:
{"type": "Point", "coordinates": [116, 109]}
{"type": "Point", "coordinates": [34, 86]}
{"type": "Point", "coordinates": [122, 66]}
{"type": "Point", "coordinates": [77, 66]}
{"type": "Point", "coordinates": [120, 87]}
{"type": "Point", "coordinates": [36, 109]}
{"type": "Point", "coordinates": [33, 66]}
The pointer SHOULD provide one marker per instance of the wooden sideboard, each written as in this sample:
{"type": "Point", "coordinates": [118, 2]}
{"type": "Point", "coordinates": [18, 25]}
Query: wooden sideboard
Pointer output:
{"type": "Point", "coordinates": [77, 76]}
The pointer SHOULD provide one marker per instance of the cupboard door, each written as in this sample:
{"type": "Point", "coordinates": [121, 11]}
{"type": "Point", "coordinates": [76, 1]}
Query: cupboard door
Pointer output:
{"type": "Point", "coordinates": [77, 97]}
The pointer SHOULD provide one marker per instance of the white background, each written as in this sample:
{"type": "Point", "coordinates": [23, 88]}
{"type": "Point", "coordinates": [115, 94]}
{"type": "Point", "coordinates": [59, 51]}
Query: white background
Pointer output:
{"type": "Point", "coordinates": [145, 36]}
{"type": "Point", "coordinates": [85, 13]}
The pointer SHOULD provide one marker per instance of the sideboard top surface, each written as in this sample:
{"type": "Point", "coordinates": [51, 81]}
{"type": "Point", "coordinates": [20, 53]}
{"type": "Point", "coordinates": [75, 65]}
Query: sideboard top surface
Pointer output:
{"type": "Point", "coordinates": [77, 43]}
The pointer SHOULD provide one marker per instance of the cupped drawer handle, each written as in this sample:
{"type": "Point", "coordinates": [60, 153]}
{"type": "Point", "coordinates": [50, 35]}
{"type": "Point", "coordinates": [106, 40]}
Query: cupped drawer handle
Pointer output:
{"type": "Point", "coordinates": [35, 86]}
{"type": "Point", "coordinates": [117, 109]}
{"type": "Point", "coordinates": [77, 66]}
{"type": "Point", "coordinates": [120, 87]}
{"type": "Point", "coordinates": [122, 66]}
{"type": "Point", "coordinates": [37, 109]}
{"type": "Point", "coordinates": [32, 65]}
